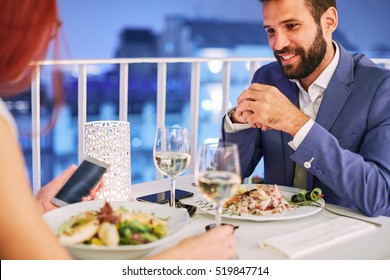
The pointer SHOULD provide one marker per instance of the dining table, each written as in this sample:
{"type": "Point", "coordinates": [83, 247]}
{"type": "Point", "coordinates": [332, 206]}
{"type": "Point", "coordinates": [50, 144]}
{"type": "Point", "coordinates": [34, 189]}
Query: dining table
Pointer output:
{"type": "Point", "coordinates": [373, 245]}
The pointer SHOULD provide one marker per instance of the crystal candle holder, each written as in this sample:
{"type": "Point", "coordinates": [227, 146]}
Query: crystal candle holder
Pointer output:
{"type": "Point", "coordinates": [109, 141]}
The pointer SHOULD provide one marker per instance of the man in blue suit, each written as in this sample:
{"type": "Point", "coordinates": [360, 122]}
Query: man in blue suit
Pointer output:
{"type": "Point", "coordinates": [318, 110]}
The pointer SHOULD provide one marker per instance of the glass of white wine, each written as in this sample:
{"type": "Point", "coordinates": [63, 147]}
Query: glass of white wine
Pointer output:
{"type": "Point", "coordinates": [218, 173]}
{"type": "Point", "coordinates": [171, 153]}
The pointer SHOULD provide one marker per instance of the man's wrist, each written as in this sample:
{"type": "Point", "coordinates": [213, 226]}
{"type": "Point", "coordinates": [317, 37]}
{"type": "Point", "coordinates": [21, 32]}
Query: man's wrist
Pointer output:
{"type": "Point", "coordinates": [302, 133]}
{"type": "Point", "coordinates": [230, 113]}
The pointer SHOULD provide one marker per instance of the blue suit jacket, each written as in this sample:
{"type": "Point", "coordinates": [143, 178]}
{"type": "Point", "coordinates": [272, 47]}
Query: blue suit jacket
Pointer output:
{"type": "Point", "coordinates": [349, 143]}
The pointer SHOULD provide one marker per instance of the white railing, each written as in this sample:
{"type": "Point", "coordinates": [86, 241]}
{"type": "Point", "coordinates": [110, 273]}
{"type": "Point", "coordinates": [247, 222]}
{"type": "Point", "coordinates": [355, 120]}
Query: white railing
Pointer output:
{"type": "Point", "coordinates": [254, 63]}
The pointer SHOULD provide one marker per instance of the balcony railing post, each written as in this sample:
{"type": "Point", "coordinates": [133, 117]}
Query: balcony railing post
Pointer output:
{"type": "Point", "coordinates": [123, 91]}
{"type": "Point", "coordinates": [161, 99]}
{"type": "Point", "coordinates": [161, 94]}
{"type": "Point", "coordinates": [253, 66]}
{"type": "Point", "coordinates": [226, 70]}
{"type": "Point", "coordinates": [82, 109]}
{"type": "Point", "coordinates": [36, 128]}
{"type": "Point", "coordinates": [194, 112]}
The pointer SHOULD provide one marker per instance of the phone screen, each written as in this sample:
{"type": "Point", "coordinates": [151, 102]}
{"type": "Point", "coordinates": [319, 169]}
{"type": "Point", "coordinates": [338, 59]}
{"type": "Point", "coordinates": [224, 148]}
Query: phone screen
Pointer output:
{"type": "Point", "coordinates": [164, 197]}
{"type": "Point", "coordinates": [86, 177]}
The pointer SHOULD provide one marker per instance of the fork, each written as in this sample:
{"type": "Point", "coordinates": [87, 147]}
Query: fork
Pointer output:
{"type": "Point", "coordinates": [317, 204]}
{"type": "Point", "coordinates": [191, 209]}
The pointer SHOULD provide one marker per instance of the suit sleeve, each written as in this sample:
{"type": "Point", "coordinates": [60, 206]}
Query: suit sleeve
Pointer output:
{"type": "Point", "coordinates": [362, 176]}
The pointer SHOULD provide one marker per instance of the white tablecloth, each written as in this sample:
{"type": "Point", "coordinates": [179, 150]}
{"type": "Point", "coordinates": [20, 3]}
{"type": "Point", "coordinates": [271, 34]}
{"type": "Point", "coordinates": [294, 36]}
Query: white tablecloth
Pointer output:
{"type": "Point", "coordinates": [373, 245]}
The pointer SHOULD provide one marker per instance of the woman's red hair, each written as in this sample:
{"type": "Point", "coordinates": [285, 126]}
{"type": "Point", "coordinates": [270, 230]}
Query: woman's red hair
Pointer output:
{"type": "Point", "coordinates": [26, 29]}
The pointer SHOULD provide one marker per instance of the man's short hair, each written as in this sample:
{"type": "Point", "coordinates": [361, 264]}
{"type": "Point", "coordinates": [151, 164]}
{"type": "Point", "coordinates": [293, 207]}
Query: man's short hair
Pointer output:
{"type": "Point", "coordinates": [317, 7]}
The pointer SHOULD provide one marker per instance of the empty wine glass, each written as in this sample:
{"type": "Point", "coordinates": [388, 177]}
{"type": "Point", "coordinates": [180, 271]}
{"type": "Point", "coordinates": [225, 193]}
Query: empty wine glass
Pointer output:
{"type": "Point", "coordinates": [218, 174]}
{"type": "Point", "coordinates": [171, 153]}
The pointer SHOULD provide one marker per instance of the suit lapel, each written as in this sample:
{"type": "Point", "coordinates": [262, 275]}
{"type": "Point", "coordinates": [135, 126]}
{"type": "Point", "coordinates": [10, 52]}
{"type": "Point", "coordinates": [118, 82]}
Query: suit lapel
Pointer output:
{"type": "Point", "coordinates": [334, 99]}
{"type": "Point", "coordinates": [337, 92]}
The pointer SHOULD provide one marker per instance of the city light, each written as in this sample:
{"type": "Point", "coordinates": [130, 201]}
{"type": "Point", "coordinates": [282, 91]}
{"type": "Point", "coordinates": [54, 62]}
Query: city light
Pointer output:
{"type": "Point", "coordinates": [215, 66]}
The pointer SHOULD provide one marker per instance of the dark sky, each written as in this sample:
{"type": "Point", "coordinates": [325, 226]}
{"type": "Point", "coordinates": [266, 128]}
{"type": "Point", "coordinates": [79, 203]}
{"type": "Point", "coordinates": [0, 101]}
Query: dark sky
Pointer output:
{"type": "Point", "coordinates": [92, 27]}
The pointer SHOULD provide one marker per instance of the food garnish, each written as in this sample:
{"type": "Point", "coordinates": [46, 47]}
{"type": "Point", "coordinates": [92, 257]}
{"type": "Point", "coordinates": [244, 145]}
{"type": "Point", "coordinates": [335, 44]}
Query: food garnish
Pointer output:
{"type": "Point", "coordinates": [112, 227]}
{"type": "Point", "coordinates": [304, 197]}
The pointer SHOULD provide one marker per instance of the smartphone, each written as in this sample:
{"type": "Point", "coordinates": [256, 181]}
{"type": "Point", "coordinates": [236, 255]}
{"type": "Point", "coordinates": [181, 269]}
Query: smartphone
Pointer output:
{"type": "Point", "coordinates": [164, 197]}
{"type": "Point", "coordinates": [86, 177]}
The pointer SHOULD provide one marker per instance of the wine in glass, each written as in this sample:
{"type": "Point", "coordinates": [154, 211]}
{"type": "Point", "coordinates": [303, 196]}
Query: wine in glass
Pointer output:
{"type": "Point", "coordinates": [218, 174]}
{"type": "Point", "coordinates": [171, 153]}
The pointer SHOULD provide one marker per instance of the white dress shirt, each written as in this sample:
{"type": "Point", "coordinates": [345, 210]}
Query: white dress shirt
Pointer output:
{"type": "Point", "coordinates": [309, 102]}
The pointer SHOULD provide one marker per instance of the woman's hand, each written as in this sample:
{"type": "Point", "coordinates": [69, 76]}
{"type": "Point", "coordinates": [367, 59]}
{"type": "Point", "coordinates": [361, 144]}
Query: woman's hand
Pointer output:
{"type": "Point", "coordinates": [46, 193]}
{"type": "Point", "coordinates": [218, 244]}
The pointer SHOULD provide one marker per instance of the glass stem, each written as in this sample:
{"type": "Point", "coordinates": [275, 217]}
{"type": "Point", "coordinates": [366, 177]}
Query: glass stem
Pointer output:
{"type": "Point", "coordinates": [173, 189]}
{"type": "Point", "coordinates": [218, 213]}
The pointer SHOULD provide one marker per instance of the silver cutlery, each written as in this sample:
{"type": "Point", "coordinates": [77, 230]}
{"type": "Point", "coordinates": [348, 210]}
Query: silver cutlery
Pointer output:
{"type": "Point", "coordinates": [191, 209]}
{"type": "Point", "coordinates": [317, 204]}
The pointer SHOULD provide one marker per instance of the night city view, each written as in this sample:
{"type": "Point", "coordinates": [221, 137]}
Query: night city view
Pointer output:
{"type": "Point", "coordinates": [200, 29]}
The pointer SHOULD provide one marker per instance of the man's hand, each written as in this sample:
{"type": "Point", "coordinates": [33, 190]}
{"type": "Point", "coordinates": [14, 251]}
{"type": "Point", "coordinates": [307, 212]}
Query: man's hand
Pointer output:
{"type": "Point", "coordinates": [265, 107]}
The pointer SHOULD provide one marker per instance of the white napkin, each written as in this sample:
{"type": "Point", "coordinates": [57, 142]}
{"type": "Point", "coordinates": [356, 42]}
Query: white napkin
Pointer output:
{"type": "Point", "coordinates": [295, 244]}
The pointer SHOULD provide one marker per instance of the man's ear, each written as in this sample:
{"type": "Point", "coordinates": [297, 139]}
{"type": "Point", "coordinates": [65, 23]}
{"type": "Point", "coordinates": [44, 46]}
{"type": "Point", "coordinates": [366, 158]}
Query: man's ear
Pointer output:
{"type": "Point", "coordinates": [329, 21]}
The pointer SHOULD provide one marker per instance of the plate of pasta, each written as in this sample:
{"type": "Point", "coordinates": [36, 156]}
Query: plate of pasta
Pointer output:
{"type": "Point", "coordinates": [261, 202]}
{"type": "Point", "coordinates": [115, 230]}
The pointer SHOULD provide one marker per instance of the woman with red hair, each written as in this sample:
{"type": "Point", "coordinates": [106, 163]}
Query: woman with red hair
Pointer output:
{"type": "Point", "coordinates": [26, 30]}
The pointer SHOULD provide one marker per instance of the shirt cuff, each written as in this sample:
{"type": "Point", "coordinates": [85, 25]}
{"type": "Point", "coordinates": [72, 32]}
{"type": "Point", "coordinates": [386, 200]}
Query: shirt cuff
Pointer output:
{"type": "Point", "coordinates": [301, 135]}
{"type": "Point", "coordinates": [231, 127]}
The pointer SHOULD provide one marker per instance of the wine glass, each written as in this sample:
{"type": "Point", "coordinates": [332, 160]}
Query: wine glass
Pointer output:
{"type": "Point", "coordinates": [171, 153]}
{"type": "Point", "coordinates": [218, 174]}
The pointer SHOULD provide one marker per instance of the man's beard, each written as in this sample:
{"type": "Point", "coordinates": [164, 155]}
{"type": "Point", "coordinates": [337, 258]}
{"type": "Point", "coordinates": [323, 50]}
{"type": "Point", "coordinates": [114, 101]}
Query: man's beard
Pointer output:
{"type": "Point", "coordinates": [310, 59]}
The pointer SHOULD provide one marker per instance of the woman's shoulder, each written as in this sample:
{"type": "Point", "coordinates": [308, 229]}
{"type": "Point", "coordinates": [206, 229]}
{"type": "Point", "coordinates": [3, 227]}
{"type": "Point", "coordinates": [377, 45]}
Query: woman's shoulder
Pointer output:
{"type": "Point", "coordinates": [7, 116]}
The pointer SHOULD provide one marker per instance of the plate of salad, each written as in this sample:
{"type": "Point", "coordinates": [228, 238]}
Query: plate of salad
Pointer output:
{"type": "Point", "coordinates": [115, 230]}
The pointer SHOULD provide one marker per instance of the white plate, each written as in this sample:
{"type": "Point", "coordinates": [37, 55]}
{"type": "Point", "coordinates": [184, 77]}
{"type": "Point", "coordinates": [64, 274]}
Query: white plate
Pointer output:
{"type": "Point", "coordinates": [178, 220]}
{"type": "Point", "coordinates": [299, 212]}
